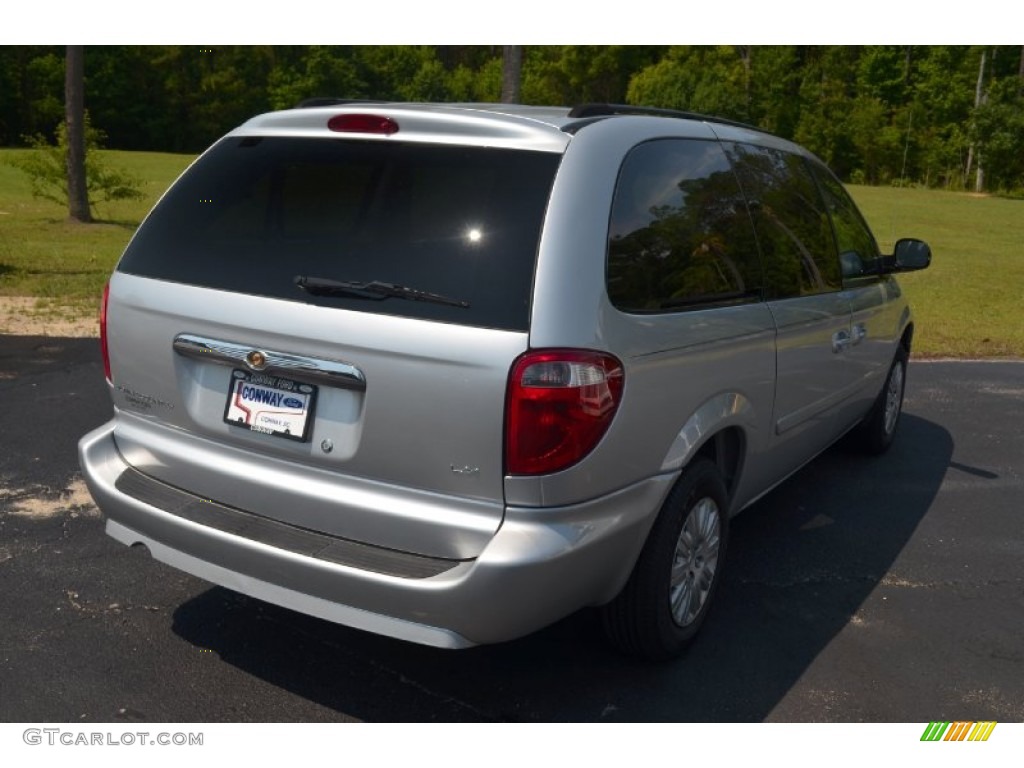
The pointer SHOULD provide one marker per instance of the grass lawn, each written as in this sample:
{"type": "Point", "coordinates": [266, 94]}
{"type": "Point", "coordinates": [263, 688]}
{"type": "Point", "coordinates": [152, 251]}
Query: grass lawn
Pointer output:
{"type": "Point", "coordinates": [970, 303]}
{"type": "Point", "coordinates": [64, 263]}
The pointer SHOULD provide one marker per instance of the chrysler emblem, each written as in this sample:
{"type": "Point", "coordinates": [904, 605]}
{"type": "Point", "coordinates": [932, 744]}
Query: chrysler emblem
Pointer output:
{"type": "Point", "coordinates": [256, 360]}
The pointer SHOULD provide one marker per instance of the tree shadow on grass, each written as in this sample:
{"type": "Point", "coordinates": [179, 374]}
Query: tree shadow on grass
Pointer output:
{"type": "Point", "coordinates": [98, 220]}
{"type": "Point", "coordinates": [802, 562]}
{"type": "Point", "coordinates": [120, 223]}
{"type": "Point", "coordinates": [94, 271]}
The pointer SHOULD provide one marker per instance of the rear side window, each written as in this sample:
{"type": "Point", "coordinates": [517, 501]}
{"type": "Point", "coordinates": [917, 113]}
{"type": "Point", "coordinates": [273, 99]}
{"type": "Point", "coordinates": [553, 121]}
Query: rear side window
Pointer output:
{"type": "Point", "coordinates": [680, 235]}
{"type": "Point", "coordinates": [254, 213]}
{"type": "Point", "coordinates": [793, 226]}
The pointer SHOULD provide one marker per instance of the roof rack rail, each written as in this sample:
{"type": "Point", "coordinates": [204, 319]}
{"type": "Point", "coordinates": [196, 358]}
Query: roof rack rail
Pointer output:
{"type": "Point", "coordinates": [583, 111]}
{"type": "Point", "coordinates": [330, 101]}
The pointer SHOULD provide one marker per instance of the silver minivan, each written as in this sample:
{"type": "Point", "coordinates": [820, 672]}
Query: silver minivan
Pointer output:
{"type": "Point", "coordinates": [450, 373]}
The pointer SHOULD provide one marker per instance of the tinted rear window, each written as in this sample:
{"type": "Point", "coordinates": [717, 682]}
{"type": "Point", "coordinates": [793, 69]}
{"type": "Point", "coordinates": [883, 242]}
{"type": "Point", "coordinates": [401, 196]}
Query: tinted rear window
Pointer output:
{"type": "Point", "coordinates": [253, 213]}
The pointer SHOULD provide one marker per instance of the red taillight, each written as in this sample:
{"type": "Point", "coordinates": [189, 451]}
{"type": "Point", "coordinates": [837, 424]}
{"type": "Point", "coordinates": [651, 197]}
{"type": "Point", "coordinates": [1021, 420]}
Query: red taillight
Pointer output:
{"type": "Point", "coordinates": [363, 124]}
{"type": "Point", "coordinates": [560, 403]}
{"type": "Point", "coordinates": [103, 333]}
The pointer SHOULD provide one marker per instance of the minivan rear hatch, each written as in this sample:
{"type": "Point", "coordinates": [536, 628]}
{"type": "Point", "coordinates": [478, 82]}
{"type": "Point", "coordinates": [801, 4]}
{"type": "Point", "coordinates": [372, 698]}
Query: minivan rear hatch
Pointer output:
{"type": "Point", "coordinates": [318, 329]}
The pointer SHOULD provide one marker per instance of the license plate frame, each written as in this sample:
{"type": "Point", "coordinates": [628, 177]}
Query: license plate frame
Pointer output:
{"type": "Point", "coordinates": [270, 405]}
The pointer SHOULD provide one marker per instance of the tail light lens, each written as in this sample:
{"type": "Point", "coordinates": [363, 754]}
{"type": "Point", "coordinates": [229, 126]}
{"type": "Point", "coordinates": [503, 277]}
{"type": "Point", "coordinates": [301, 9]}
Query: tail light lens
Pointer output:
{"type": "Point", "coordinates": [103, 333]}
{"type": "Point", "coordinates": [560, 403]}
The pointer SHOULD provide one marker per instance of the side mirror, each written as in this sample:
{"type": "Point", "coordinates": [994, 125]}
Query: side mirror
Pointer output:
{"type": "Point", "coordinates": [909, 255]}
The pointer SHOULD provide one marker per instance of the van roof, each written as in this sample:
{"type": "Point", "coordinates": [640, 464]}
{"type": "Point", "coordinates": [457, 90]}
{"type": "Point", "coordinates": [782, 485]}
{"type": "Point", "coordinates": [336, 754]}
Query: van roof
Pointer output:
{"type": "Point", "coordinates": [543, 128]}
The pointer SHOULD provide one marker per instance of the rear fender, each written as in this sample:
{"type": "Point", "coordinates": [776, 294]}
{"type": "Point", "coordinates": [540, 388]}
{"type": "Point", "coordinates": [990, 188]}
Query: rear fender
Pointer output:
{"type": "Point", "coordinates": [724, 410]}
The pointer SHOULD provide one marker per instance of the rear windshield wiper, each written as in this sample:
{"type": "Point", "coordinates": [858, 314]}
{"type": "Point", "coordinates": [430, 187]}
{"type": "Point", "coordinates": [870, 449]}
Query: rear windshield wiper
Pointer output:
{"type": "Point", "coordinates": [376, 290]}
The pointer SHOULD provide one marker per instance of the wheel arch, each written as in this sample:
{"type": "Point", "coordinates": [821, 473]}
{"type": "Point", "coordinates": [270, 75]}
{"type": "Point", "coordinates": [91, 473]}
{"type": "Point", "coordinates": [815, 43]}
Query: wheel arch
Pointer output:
{"type": "Point", "coordinates": [716, 431]}
{"type": "Point", "coordinates": [907, 339]}
{"type": "Point", "coordinates": [727, 449]}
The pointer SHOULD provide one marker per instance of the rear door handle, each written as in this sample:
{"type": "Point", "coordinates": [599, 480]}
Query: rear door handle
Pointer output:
{"type": "Point", "coordinates": [860, 333]}
{"type": "Point", "coordinates": [840, 341]}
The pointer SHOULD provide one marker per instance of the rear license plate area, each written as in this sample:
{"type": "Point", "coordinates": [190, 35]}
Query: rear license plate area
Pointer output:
{"type": "Point", "coordinates": [270, 405]}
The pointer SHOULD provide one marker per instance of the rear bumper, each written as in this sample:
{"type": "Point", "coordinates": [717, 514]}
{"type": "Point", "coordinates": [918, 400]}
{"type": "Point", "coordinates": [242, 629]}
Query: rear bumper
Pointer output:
{"type": "Point", "coordinates": [540, 566]}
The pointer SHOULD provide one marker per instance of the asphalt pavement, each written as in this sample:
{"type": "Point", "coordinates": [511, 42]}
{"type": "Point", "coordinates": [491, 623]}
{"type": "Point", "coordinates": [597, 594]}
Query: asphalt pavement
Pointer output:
{"type": "Point", "coordinates": [861, 589]}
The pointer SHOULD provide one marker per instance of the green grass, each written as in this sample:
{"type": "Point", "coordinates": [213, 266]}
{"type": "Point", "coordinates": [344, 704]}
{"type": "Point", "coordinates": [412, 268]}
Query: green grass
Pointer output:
{"type": "Point", "coordinates": [44, 254]}
{"type": "Point", "coordinates": [970, 303]}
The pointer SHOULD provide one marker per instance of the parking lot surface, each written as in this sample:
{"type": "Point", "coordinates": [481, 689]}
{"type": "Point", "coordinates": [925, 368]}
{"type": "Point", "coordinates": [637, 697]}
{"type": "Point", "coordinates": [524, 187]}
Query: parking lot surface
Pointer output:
{"type": "Point", "coordinates": [860, 590]}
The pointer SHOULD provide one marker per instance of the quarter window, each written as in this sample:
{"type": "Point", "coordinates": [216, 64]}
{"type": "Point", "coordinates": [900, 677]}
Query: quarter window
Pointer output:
{"type": "Point", "coordinates": [680, 235]}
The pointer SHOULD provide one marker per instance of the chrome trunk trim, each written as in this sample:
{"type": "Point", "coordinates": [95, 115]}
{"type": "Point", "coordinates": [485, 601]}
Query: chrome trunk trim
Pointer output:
{"type": "Point", "coordinates": [335, 373]}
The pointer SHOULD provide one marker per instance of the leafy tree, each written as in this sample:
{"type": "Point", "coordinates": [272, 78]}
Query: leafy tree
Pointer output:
{"type": "Point", "coordinates": [483, 84]}
{"type": "Point", "coordinates": [875, 113]}
{"type": "Point", "coordinates": [712, 80]}
{"type": "Point", "coordinates": [429, 83]}
{"type": "Point", "coordinates": [128, 97]}
{"type": "Point", "coordinates": [316, 71]}
{"type": "Point", "coordinates": [882, 74]}
{"type": "Point", "coordinates": [942, 93]}
{"type": "Point", "coordinates": [825, 95]}
{"type": "Point", "coordinates": [579, 74]}
{"type": "Point", "coordinates": [877, 142]}
{"type": "Point", "coordinates": [397, 72]}
{"type": "Point", "coordinates": [47, 170]}
{"type": "Point", "coordinates": [998, 129]}
{"type": "Point", "coordinates": [31, 90]}
{"type": "Point", "coordinates": [775, 87]}
{"type": "Point", "coordinates": [28, 90]}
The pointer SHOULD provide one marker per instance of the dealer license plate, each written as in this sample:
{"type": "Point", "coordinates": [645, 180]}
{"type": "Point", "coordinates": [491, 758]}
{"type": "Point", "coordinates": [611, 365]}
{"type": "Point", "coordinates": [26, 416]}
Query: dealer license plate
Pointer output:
{"type": "Point", "coordinates": [270, 405]}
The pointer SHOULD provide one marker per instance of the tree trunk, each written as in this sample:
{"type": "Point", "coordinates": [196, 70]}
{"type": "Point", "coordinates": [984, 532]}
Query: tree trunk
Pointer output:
{"type": "Point", "coordinates": [746, 53]}
{"type": "Point", "coordinates": [906, 145]}
{"type": "Point", "coordinates": [511, 73]}
{"type": "Point", "coordinates": [972, 150]}
{"type": "Point", "coordinates": [979, 99]}
{"type": "Point", "coordinates": [74, 115]}
{"type": "Point", "coordinates": [1020, 72]}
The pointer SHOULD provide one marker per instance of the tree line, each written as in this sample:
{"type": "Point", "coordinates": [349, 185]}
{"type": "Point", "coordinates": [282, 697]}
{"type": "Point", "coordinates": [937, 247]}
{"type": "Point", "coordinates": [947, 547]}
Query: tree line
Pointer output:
{"type": "Point", "coordinates": [940, 116]}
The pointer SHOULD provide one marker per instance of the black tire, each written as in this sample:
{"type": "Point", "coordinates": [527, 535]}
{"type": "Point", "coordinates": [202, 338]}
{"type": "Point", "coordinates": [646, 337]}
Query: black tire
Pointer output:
{"type": "Point", "coordinates": [878, 430]}
{"type": "Point", "coordinates": [643, 620]}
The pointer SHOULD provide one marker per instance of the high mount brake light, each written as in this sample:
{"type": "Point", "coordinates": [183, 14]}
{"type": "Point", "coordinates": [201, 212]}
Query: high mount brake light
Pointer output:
{"type": "Point", "coordinates": [560, 404]}
{"type": "Point", "coordinates": [360, 123]}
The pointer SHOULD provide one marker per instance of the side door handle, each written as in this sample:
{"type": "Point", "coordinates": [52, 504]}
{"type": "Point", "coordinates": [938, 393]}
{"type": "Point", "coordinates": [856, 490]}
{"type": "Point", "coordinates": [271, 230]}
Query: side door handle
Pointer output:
{"type": "Point", "coordinates": [841, 340]}
{"type": "Point", "coordinates": [860, 332]}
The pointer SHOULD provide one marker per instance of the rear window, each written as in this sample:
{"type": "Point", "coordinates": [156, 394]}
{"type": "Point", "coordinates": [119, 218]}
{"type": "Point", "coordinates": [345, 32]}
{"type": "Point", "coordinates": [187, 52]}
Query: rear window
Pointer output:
{"type": "Point", "coordinates": [254, 213]}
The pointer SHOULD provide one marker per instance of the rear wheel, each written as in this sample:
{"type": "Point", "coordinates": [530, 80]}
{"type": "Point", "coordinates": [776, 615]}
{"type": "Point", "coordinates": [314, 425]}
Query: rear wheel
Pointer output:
{"type": "Point", "coordinates": [674, 580]}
